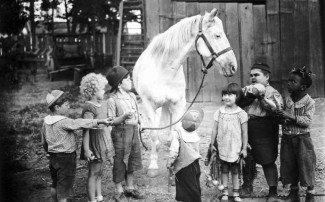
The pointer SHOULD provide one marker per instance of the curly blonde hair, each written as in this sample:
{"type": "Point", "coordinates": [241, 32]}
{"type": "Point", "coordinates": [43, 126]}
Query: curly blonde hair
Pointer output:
{"type": "Point", "coordinates": [91, 83]}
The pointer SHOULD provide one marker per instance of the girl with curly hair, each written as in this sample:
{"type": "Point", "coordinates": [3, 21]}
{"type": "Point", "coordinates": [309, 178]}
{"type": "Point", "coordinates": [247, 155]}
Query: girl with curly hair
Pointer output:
{"type": "Point", "coordinates": [97, 144]}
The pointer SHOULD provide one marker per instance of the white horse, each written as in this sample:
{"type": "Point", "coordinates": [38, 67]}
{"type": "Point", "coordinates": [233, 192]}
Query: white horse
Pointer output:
{"type": "Point", "coordinates": [158, 74]}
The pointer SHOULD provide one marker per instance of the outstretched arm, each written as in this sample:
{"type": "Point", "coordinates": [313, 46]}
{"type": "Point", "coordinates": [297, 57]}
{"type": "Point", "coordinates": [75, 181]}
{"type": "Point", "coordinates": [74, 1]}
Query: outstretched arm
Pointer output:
{"type": "Point", "coordinates": [173, 149]}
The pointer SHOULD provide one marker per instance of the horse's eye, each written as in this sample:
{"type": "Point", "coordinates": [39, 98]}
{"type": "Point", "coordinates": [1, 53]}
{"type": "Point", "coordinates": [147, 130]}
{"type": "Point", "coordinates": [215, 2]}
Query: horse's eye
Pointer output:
{"type": "Point", "coordinates": [218, 36]}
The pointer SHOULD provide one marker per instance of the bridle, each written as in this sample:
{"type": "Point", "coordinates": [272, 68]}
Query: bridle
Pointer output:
{"type": "Point", "coordinates": [213, 53]}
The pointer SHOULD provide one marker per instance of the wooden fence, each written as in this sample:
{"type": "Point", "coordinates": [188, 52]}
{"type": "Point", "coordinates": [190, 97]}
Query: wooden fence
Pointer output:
{"type": "Point", "coordinates": [289, 31]}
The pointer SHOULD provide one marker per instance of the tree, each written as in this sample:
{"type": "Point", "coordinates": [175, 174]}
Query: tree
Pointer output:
{"type": "Point", "coordinates": [12, 17]}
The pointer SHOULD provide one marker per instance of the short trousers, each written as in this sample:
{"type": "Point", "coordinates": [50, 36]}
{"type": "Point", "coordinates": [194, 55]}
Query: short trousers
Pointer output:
{"type": "Point", "coordinates": [188, 187]}
{"type": "Point", "coordinates": [127, 151]}
{"type": "Point", "coordinates": [226, 167]}
{"type": "Point", "coordinates": [298, 160]}
{"type": "Point", "coordinates": [63, 171]}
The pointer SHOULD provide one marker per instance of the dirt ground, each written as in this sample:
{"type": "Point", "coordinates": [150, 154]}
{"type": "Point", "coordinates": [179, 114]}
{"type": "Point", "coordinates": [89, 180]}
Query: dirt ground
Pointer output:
{"type": "Point", "coordinates": [32, 185]}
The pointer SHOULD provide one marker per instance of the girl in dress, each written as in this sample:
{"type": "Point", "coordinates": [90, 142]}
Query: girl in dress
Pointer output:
{"type": "Point", "coordinates": [97, 145]}
{"type": "Point", "coordinates": [230, 132]}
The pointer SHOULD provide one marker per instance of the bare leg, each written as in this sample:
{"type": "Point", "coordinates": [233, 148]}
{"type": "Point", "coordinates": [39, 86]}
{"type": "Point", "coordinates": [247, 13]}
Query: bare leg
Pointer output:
{"type": "Point", "coordinates": [99, 181]}
{"type": "Point", "coordinates": [94, 169]}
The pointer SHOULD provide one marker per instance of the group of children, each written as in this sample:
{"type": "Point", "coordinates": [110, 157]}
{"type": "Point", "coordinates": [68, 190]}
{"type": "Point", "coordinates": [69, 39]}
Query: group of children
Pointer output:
{"type": "Point", "coordinates": [246, 127]}
{"type": "Point", "coordinates": [119, 145]}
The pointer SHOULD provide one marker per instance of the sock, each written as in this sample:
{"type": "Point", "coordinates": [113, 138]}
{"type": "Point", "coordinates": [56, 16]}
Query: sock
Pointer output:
{"type": "Point", "coordinates": [99, 198]}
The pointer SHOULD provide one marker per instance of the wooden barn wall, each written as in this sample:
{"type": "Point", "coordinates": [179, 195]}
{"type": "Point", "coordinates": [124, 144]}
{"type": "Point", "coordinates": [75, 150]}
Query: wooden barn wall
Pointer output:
{"type": "Point", "coordinates": [289, 31]}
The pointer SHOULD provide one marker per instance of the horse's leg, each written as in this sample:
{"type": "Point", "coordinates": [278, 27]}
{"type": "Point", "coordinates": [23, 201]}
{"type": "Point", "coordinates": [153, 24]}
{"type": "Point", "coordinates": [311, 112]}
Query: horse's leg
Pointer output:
{"type": "Point", "coordinates": [152, 122]}
{"type": "Point", "coordinates": [177, 110]}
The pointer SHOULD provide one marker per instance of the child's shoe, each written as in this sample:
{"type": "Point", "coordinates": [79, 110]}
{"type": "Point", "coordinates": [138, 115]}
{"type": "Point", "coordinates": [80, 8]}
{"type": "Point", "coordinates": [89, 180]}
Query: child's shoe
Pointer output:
{"type": "Point", "coordinates": [246, 190]}
{"type": "Point", "coordinates": [273, 195]}
{"type": "Point", "coordinates": [293, 196]}
{"type": "Point", "coordinates": [120, 197]}
{"type": "Point", "coordinates": [236, 195]}
{"type": "Point", "coordinates": [134, 194]}
{"type": "Point", "coordinates": [99, 198]}
{"type": "Point", "coordinates": [224, 195]}
{"type": "Point", "coordinates": [310, 197]}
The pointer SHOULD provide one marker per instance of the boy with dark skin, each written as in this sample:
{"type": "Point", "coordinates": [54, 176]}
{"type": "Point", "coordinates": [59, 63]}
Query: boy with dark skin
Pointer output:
{"type": "Point", "coordinates": [297, 156]}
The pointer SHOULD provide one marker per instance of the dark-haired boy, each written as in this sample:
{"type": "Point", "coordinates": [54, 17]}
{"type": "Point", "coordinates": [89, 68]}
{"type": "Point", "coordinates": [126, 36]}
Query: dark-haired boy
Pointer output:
{"type": "Point", "coordinates": [297, 155]}
{"type": "Point", "coordinates": [59, 142]}
{"type": "Point", "coordinates": [263, 129]}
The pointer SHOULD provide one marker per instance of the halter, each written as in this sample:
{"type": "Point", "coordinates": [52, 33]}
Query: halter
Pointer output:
{"type": "Point", "coordinates": [213, 53]}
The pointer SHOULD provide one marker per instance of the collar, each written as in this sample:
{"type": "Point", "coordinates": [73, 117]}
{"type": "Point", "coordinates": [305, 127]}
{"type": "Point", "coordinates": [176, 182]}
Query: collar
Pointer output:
{"type": "Point", "coordinates": [121, 95]}
{"type": "Point", "coordinates": [95, 104]}
{"type": "Point", "coordinates": [223, 110]}
{"type": "Point", "coordinates": [300, 103]}
{"type": "Point", "coordinates": [189, 136]}
{"type": "Point", "coordinates": [49, 119]}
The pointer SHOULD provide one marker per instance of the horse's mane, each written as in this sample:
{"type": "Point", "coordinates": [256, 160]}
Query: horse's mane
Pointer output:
{"type": "Point", "coordinates": [173, 39]}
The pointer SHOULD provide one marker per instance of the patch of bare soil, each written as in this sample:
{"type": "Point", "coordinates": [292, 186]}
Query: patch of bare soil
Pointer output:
{"type": "Point", "coordinates": [29, 180]}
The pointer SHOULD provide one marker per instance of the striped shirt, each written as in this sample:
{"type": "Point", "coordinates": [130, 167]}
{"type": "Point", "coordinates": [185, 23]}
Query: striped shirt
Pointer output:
{"type": "Point", "coordinates": [58, 132]}
{"type": "Point", "coordinates": [119, 104]}
{"type": "Point", "coordinates": [304, 110]}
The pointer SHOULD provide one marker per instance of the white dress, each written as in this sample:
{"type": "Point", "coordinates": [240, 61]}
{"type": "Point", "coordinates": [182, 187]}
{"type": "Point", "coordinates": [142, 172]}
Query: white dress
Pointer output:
{"type": "Point", "coordinates": [229, 137]}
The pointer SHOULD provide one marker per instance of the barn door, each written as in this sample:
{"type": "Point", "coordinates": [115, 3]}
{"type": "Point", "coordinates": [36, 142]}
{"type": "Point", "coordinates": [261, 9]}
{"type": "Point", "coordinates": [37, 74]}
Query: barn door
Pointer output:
{"type": "Point", "coordinates": [245, 27]}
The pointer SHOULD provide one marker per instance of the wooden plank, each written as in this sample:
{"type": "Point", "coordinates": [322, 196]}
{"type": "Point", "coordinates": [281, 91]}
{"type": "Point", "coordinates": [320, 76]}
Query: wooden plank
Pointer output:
{"type": "Point", "coordinates": [287, 41]}
{"type": "Point", "coordinates": [247, 40]}
{"type": "Point", "coordinates": [301, 30]}
{"type": "Point", "coordinates": [165, 15]}
{"type": "Point", "coordinates": [194, 62]}
{"type": "Point", "coordinates": [316, 50]}
{"type": "Point", "coordinates": [179, 12]}
{"type": "Point", "coordinates": [260, 35]}
{"type": "Point", "coordinates": [273, 42]}
{"type": "Point", "coordinates": [152, 19]}
{"type": "Point", "coordinates": [208, 86]}
{"type": "Point", "coordinates": [231, 25]}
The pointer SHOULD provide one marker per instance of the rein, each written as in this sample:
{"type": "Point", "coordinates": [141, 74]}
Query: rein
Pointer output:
{"type": "Point", "coordinates": [204, 70]}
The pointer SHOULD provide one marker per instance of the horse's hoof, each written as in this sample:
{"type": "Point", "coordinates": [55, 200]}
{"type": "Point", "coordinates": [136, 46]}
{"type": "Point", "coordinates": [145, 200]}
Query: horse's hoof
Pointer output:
{"type": "Point", "coordinates": [153, 172]}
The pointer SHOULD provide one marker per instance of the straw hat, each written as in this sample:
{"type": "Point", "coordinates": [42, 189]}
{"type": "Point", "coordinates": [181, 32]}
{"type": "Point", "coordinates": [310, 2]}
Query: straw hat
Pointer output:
{"type": "Point", "coordinates": [53, 96]}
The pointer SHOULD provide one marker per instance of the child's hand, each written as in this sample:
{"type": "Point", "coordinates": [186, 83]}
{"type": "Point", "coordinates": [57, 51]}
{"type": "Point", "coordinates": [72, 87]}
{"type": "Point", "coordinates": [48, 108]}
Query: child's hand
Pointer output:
{"type": "Point", "coordinates": [128, 115]}
{"type": "Point", "coordinates": [212, 148]}
{"type": "Point", "coordinates": [111, 161]}
{"type": "Point", "coordinates": [243, 153]}
{"type": "Point", "coordinates": [104, 121]}
{"type": "Point", "coordinates": [285, 114]}
{"type": "Point", "coordinates": [89, 155]}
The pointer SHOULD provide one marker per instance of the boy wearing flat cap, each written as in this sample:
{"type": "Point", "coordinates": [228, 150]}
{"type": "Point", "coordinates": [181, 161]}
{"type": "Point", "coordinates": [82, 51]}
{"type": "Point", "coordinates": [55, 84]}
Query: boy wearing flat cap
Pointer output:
{"type": "Point", "coordinates": [123, 108]}
{"type": "Point", "coordinates": [263, 128]}
{"type": "Point", "coordinates": [59, 142]}
{"type": "Point", "coordinates": [184, 157]}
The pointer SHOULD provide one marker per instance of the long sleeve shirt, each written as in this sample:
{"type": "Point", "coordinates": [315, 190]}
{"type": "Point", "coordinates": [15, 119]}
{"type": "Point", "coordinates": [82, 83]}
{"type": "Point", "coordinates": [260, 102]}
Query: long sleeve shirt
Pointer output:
{"type": "Point", "coordinates": [303, 110]}
{"type": "Point", "coordinates": [256, 108]}
{"type": "Point", "coordinates": [58, 132]}
{"type": "Point", "coordinates": [119, 104]}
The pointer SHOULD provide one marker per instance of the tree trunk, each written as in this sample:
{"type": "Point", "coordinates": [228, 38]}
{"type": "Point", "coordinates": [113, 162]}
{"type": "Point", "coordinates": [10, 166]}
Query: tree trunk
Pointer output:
{"type": "Point", "coordinates": [66, 15]}
{"type": "Point", "coordinates": [32, 24]}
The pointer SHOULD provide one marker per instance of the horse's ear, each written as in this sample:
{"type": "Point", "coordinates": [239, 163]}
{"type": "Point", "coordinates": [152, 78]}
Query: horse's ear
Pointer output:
{"type": "Point", "coordinates": [213, 13]}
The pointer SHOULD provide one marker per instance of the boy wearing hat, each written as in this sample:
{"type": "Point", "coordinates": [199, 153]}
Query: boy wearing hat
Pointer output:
{"type": "Point", "coordinates": [123, 108]}
{"type": "Point", "coordinates": [184, 157]}
{"type": "Point", "coordinates": [263, 129]}
{"type": "Point", "coordinates": [59, 142]}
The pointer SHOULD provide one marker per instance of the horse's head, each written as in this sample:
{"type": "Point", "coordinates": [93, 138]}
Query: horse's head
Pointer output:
{"type": "Point", "coordinates": [212, 29]}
